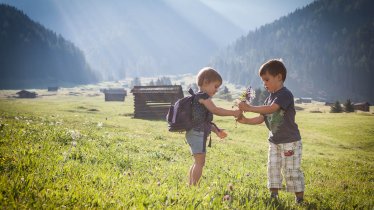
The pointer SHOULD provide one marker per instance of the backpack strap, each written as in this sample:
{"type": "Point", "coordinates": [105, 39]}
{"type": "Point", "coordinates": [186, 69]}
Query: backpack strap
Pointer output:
{"type": "Point", "coordinates": [218, 129]}
{"type": "Point", "coordinates": [191, 91]}
{"type": "Point", "coordinates": [210, 136]}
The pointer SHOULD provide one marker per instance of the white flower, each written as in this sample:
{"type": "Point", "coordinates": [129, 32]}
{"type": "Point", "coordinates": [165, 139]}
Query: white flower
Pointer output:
{"type": "Point", "coordinates": [74, 134]}
{"type": "Point", "coordinates": [100, 125]}
{"type": "Point", "coordinates": [74, 143]}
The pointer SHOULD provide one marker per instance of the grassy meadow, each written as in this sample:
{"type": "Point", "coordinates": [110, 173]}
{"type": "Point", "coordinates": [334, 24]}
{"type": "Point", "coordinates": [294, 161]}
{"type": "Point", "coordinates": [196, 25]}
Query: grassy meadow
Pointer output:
{"type": "Point", "coordinates": [73, 150]}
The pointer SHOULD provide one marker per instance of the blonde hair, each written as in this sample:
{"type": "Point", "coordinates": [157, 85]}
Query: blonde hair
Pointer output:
{"type": "Point", "coordinates": [207, 75]}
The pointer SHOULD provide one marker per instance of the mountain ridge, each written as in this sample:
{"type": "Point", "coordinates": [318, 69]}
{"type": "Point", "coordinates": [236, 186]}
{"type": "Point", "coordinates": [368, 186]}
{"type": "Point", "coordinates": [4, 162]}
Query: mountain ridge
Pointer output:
{"type": "Point", "coordinates": [35, 57]}
{"type": "Point", "coordinates": [127, 38]}
{"type": "Point", "coordinates": [327, 47]}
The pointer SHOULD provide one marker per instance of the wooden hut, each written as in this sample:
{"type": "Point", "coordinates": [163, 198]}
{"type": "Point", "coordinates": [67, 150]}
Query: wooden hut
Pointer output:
{"type": "Point", "coordinates": [303, 100]}
{"type": "Point", "coordinates": [26, 94]}
{"type": "Point", "coordinates": [153, 102]}
{"type": "Point", "coordinates": [52, 89]}
{"type": "Point", "coordinates": [363, 106]}
{"type": "Point", "coordinates": [115, 94]}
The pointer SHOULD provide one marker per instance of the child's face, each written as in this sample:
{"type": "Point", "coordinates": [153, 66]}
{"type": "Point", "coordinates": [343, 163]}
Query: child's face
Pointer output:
{"type": "Point", "coordinates": [272, 83]}
{"type": "Point", "coordinates": [211, 88]}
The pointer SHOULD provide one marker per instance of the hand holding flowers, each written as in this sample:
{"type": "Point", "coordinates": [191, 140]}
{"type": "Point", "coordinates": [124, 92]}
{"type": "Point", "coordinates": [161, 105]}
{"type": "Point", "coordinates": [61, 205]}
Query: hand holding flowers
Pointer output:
{"type": "Point", "coordinates": [244, 106]}
{"type": "Point", "coordinates": [244, 100]}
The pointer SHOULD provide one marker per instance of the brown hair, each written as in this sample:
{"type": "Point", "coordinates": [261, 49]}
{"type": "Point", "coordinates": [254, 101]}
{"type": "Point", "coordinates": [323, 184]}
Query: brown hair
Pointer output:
{"type": "Point", "coordinates": [208, 75]}
{"type": "Point", "coordinates": [274, 67]}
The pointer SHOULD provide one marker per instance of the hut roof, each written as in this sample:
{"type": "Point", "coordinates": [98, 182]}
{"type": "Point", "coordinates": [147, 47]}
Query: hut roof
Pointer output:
{"type": "Point", "coordinates": [115, 91]}
{"type": "Point", "coordinates": [24, 91]}
{"type": "Point", "coordinates": [362, 103]}
{"type": "Point", "coordinates": [176, 89]}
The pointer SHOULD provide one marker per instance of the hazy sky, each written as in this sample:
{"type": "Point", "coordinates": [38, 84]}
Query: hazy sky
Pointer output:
{"type": "Point", "coordinates": [251, 14]}
{"type": "Point", "coordinates": [246, 14]}
{"type": "Point", "coordinates": [153, 34]}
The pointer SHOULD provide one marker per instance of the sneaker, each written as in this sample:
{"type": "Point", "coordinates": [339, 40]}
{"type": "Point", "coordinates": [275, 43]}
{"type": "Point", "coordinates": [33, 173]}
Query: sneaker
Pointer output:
{"type": "Point", "coordinates": [299, 200]}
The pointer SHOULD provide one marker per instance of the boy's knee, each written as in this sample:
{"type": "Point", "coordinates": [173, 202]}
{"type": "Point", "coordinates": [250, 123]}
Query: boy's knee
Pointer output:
{"type": "Point", "coordinates": [293, 174]}
{"type": "Point", "coordinates": [200, 163]}
{"type": "Point", "coordinates": [200, 160]}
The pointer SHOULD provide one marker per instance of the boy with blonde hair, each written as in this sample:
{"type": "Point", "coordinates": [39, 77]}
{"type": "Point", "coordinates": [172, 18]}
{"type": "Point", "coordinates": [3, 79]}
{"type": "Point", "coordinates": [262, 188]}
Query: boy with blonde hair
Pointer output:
{"type": "Point", "coordinates": [208, 80]}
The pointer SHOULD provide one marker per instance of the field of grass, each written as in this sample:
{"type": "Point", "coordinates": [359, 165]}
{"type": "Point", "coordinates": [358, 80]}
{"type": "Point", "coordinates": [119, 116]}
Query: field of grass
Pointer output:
{"type": "Point", "coordinates": [73, 150]}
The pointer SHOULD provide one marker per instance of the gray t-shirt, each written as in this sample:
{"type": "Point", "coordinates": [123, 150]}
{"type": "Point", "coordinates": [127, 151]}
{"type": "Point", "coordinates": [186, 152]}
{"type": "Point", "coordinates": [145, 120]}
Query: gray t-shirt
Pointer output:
{"type": "Point", "coordinates": [281, 124]}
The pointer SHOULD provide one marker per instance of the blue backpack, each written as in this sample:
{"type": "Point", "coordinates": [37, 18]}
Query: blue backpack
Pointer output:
{"type": "Point", "coordinates": [179, 116]}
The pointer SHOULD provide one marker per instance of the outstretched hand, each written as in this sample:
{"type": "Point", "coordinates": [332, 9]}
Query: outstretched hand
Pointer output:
{"type": "Point", "coordinates": [243, 106]}
{"type": "Point", "coordinates": [240, 119]}
{"type": "Point", "coordinates": [237, 113]}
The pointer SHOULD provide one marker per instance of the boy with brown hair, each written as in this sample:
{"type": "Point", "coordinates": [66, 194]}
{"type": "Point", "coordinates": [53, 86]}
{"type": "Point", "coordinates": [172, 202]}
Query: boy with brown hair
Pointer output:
{"type": "Point", "coordinates": [285, 147]}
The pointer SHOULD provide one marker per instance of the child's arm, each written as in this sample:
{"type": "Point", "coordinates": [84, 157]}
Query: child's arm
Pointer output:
{"type": "Point", "coordinates": [265, 109]}
{"type": "Point", "coordinates": [208, 103]}
{"type": "Point", "coordinates": [219, 132]}
{"type": "Point", "coordinates": [252, 121]}
{"type": "Point", "coordinates": [214, 129]}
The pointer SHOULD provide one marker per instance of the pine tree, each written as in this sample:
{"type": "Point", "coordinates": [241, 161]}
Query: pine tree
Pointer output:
{"type": "Point", "coordinates": [336, 108]}
{"type": "Point", "coordinates": [135, 82]}
{"type": "Point", "coordinates": [348, 106]}
{"type": "Point", "coordinates": [261, 95]}
{"type": "Point", "coordinates": [225, 90]}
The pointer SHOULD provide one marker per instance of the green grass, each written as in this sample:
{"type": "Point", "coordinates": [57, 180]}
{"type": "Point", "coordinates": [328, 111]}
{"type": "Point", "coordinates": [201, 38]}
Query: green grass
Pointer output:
{"type": "Point", "coordinates": [81, 152]}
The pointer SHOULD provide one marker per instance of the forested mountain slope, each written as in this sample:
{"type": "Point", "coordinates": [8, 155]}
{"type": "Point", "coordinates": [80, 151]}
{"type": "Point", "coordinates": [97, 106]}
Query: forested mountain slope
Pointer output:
{"type": "Point", "coordinates": [32, 56]}
{"type": "Point", "coordinates": [326, 46]}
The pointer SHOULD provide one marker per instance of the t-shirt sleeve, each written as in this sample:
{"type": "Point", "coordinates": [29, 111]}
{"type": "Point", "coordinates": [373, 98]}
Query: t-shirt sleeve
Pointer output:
{"type": "Point", "coordinates": [284, 100]}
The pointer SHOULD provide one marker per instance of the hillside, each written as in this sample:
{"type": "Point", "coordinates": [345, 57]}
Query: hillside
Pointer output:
{"type": "Point", "coordinates": [327, 46]}
{"type": "Point", "coordinates": [35, 57]}
{"type": "Point", "coordinates": [125, 38]}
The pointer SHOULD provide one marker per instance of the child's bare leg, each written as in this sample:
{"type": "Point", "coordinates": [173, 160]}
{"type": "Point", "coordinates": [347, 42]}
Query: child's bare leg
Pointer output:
{"type": "Point", "coordinates": [274, 190]}
{"type": "Point", "coordinates": [190, 178]}
{"type": "Point", "coordinates": [197, 168]}
{"type": "Point", "coordinates": [299, 194]}
{"type": "Point", "coordinates": [299, 197]}
{"type": "Point", "coordinates": [274, 193]}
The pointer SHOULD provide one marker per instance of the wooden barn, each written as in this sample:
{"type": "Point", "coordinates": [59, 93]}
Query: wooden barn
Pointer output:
{"type": "Point", "coordinates": [52, 89]}
{"type": "Point", "coordinates": [153, 102]}
{"type": "Point", "coordinates": [115, 94]}
{"type": "Point", "coordinates": [363, 106]}
{"type": "Point", "coordinates": [26, 94]}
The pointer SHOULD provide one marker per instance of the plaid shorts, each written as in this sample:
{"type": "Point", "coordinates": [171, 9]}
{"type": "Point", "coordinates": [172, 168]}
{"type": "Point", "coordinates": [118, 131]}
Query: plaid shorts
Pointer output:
{"type": "Point", "coordinates": [286, 159]}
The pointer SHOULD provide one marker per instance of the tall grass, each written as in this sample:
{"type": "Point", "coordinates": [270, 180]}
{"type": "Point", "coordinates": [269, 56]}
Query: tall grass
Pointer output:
{"type": "Point", "coordinates": [80, 152]}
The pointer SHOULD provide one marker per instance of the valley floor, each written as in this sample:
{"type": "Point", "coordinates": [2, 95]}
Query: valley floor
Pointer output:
{"type": "Point", "coordinates": [71, 149]}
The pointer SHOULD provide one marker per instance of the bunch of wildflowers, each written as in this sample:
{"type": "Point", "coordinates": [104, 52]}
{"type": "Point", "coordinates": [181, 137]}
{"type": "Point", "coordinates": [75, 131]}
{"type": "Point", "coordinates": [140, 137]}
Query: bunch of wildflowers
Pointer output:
{"type": "Point", "coordinates": [247, 96]}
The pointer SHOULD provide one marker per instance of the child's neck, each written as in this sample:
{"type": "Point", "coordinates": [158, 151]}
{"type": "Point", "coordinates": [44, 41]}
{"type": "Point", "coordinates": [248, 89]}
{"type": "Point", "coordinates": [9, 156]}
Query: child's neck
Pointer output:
{"type": "Point", "coordinates": [278, 88]}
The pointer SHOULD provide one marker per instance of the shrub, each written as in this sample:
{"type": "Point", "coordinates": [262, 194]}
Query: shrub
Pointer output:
{"type": "Point", "coordinates": [336, 108]}
{"type": "Point", "coordinates": [348, 106]}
